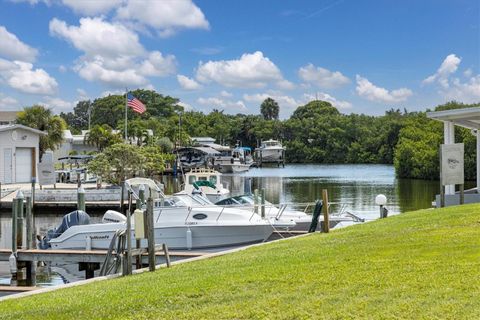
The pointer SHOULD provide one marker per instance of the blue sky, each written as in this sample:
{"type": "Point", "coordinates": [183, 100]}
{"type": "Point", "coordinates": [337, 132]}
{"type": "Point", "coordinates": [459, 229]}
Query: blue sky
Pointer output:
{"type": "Point", "coordinates": [363, 56]}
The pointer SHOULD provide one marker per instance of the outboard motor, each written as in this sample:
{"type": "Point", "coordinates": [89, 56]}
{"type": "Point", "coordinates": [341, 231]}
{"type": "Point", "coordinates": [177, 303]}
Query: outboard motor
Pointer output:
{"type": "Point", "coordinates": [75, 218]}
{"type": "Point", "coordinates": [112, 216]}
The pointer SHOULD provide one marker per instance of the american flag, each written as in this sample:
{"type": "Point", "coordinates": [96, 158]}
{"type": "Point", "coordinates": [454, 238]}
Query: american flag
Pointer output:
{"type": "Point", "coordinates": [135, 104]}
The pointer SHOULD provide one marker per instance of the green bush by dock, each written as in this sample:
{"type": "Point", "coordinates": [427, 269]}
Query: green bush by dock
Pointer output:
{"type": "Point", "coordinates": [418, 265]}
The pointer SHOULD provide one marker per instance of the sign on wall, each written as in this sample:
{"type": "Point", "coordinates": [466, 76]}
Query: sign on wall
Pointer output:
{"type": "Point", "coordinates": [452, 164]}
{"type": "Point", "coordinates": [46, 173]}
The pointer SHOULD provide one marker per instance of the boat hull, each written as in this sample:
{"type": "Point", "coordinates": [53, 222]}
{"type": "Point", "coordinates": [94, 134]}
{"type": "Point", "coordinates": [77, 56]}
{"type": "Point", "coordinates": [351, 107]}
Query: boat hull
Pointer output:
{"type": "Point", "coordinates": [175, 237]}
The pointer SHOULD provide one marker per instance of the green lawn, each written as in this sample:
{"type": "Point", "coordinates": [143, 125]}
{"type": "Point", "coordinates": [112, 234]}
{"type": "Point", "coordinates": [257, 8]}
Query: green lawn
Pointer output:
{"type": "Point", "coordinates": [423, 264]}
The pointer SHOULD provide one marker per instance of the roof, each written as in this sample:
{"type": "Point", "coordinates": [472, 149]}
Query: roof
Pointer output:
{"type": "Point", "coordinates": [77, 157]}
{"type": "Point", "coordinates": [9, 127]}
{"type": "Point", "coordinates": [206, 150]}
{"type": "Point", "coordinates": [467, 117]}
{"type": "Point", "coordinates": [205, 139]}
{"type": "Point", "coordinates": [8, 115]}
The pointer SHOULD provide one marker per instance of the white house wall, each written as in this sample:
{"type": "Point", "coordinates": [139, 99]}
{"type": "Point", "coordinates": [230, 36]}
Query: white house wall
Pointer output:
{"type": "Point", "coordinates": [25, 139]}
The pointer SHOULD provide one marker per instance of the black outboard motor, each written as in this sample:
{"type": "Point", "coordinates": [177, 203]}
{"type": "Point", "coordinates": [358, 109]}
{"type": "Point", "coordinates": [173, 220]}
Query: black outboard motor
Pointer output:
{"type": "Point", "coordinates": [75, 218]}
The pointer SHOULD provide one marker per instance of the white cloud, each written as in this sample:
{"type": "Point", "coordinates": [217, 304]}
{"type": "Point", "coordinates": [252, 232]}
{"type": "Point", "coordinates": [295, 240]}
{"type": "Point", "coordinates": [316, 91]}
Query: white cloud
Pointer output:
{"type": "Point", "coordinates": [285, 84]}
{"type": "Point", "coordinates": [226, 94]}
{"type": "Point", "coordinates": [12, 48]}
{"type": "Point", "coordinates": [82, 94]}
{"type": "Point", "coordinates": [187, 83]}
{"type": "Point", "coordinates": [22, 77]}
{"type": "Point", "coordinates": [448, 66]}
{"type": "Point", "coordinates": [95, 36]}
{"type": "Point", "coordinates": [97, 70]}
{"type": "Point", "coordinates": [164, 16]}
{"type": "Point", "coordinates": [451, 88]}
{"type": "Point", "coordinates": [284, 101]}
{"type": "Point", "coordinates": [340, 104]}
{"type": "Point", "coordinates": [8, 103]}
{"type": "Point", "coordinates": [371, 92]}
{"type": "Point", "coordinates": [92, 7]}
{"type": "Point", "coordinates": [250, 71]}
{"type": "Point", "coordinates": [157, 65]}
{"type": "Point", "coordinates": [227, 105]}
{"type": "Point", "coordinates": [57, 104]}
{"type": "Point", "coordinates": [186, 106]}
{"type": "Point", "coordinates": [113, 54]}
{"type": "Point", "coordinates": [467, 92]}
{"type": "Point", "coordinates": [321, 77]}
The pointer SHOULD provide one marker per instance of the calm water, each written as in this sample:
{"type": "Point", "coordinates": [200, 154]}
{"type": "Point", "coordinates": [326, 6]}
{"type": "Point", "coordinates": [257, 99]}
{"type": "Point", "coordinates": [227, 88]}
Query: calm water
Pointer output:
{"type": "Point", "coordinates": [354, 185]}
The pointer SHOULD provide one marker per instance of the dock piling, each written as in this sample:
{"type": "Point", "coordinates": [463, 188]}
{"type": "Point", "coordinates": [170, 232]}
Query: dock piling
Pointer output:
{"type": "Point", "coordinates": [150, 235]}
{"type": "Point", "coordinates": [81, 199]}
{"type": "Point", "coordinates": [19, 208]}
{"type": "Point", "coordinates": [255, 200]}
{"type": "Point", "coordinates": [167, 255]}
{"type": "Point", "coordinates": [262, 199]}
{"type": "Point", "coordinates": [326, 220]}
{"type": "Point", "coordinates": [29, 217]}
{"type": "Point", "coordinates": [129, 242]}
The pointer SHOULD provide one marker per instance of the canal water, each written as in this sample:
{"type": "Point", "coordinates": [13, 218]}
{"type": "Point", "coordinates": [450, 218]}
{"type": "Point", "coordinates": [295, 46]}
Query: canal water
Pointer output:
{"type": "Point", "coordinates": [352, 185]}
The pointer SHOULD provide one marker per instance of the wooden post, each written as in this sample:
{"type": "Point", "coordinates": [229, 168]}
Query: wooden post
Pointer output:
{"type": "Point", "coordinates": [33, 193]}
{"type": "Point", "coordinates": [167, 255]}
{"type": "Point", "coordinates": [29, 217]}
{"type": "Point", "coordinates": [326, 221]}
{"type": "Point", "coordinates": [263, 203]}
{"type": "Point", "coordinates": [19, 207]}
{"type": "Point", "coordinates": [255, 200]}
{"type": "Point", "coordinates": [0, 195]}
{"type": "Point", "coordinates": [129, 242]}
{"type": "Point", "coordinates": [14, 226]}
{"type": "Point", "coordinates": [150, 235]}
{"type": "Point", "coordinates": [79, 182]}
{"type": "Point", "coordinates": [81, 199]}
{"type": "Point", "coordinates": [462, 194]}
{"type": "Point", "coordinates": [141, 195]}
{"type": "Point", "coordinates": [122, 200]}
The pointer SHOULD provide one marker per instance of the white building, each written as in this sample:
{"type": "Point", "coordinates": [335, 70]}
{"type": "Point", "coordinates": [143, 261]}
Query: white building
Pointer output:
{"type": "Point", "coordinates": [19, 153]}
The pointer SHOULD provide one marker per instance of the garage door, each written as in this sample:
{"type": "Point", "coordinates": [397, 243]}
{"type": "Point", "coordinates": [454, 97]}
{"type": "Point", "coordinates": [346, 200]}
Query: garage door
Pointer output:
{"type": "Point", "coordinates": [23, 165]}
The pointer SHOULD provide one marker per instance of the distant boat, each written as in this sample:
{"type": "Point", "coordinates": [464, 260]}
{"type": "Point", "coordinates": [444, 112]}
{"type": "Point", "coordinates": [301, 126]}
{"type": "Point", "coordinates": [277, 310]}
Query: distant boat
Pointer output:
{"type": "Point", "coordinates": [232, 161]}
{"type": "Point", "coordinates": [270, 151]}
{"type": "Point", "coordinates": [206, 181]}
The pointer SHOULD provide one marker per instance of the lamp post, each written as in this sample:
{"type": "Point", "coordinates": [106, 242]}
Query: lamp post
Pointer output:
{"type": "Point", "coordinates": [381, 200]}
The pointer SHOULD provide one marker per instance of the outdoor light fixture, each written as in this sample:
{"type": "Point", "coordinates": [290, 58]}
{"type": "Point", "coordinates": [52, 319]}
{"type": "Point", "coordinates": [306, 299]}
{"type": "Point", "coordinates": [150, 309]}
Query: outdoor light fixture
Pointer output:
{"type": "Point", "coordinates": [381, 200]}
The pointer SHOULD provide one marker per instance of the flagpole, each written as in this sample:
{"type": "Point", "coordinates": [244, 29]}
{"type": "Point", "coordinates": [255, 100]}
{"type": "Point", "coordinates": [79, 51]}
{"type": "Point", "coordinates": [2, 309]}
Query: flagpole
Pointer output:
{"type": "Point", "coordinates": [126, 113]}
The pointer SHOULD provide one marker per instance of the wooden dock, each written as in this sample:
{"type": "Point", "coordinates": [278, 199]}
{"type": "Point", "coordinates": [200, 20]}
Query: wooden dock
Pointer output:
{"type": "Point", "coordinates": [84, 256]}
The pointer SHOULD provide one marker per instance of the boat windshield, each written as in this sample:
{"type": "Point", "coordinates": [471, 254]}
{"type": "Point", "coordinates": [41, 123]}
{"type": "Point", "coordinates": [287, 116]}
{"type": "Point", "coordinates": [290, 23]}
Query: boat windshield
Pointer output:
{"type": "Point", "coordinates": [185, 200]}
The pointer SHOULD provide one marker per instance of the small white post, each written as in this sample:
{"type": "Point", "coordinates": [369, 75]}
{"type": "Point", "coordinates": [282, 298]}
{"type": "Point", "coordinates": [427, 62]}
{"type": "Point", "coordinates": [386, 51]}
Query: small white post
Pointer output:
{"type": "Point", "coordinates": [449, 138]}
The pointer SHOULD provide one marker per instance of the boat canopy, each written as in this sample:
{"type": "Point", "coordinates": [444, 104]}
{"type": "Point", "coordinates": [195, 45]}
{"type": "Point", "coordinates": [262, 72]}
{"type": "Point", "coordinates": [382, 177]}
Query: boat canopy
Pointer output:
{"type": "Point", "coordinates": [204, 150]}
{"type": "Point", "coordinates": [203, 183]}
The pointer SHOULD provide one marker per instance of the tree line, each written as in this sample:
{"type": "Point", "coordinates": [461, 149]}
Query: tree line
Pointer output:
{"type": "Point", "coordinates": [315, 133]}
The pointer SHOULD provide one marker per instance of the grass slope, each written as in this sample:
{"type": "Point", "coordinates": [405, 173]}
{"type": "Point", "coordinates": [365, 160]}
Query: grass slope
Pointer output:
{"type": "Point", "coordinates": [422, 264]}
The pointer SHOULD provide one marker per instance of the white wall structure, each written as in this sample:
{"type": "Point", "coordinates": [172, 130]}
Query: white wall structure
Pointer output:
{"type": "Point", "coordinates": [467, 118]}
{"type": "Point", "coordinates": [19, 153]}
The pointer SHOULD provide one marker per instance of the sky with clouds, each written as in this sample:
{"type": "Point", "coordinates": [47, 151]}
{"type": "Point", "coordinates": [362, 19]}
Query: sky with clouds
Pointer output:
{"type": "Point", "coordinates": [362, 56]}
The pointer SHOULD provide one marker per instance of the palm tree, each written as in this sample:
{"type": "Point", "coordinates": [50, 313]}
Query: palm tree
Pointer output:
{"type": "Point", "coordinates": [41, 118]}
{"type": "Point", "coordinates": [269, 109]}
{"type": "Point", "coordinates": [102, 136]}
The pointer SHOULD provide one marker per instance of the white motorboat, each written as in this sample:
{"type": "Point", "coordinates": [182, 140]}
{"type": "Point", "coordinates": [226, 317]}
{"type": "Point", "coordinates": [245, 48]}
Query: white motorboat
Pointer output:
{"type": "Point", "coordinates": [234, 161]}
{"type": "Point", "coordinates": [181, 221]}
{"type": "Point", "coordinates": [283, 213]}
{"type": "Point", "coordinates": [207, 181]}
{"type": "Point", "coordinates": [270, 150]}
